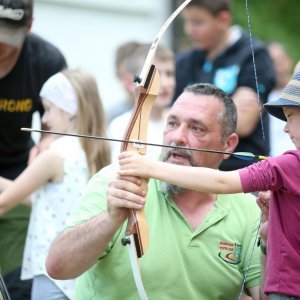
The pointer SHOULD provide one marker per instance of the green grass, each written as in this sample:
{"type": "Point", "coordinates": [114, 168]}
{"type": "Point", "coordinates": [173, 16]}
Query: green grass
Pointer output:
{"type": "Point", "coordinates": [272, 20]}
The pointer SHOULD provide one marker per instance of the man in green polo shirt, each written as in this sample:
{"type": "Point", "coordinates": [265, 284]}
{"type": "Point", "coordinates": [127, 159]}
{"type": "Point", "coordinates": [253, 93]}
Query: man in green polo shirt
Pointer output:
{"type": "Point", "coordinates": [200, 244]}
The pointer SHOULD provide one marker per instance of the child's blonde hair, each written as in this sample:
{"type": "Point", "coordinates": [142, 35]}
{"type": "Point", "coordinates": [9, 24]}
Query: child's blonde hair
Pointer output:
{"type": "Point", "coordinates": [90, 118]}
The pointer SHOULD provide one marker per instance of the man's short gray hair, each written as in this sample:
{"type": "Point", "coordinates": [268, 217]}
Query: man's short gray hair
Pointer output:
{"type": "Point", "coordinates": [228, 119]}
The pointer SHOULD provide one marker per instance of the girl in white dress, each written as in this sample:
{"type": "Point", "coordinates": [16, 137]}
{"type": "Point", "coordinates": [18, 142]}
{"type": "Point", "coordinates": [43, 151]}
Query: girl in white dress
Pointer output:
{"type": "Point", "coordinates": [55, 179]}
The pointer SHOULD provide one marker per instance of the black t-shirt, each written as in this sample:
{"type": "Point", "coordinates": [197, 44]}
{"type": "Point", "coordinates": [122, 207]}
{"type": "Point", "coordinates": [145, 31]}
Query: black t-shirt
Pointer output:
{"type": "Point", "coordinates": [19, 99]}
{"type": "Point", "coordinates": [230, 70]}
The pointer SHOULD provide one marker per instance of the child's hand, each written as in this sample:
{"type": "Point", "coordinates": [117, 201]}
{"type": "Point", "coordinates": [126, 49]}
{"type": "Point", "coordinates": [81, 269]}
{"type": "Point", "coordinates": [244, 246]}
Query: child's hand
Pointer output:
{"type": "Point", "coordinates": [263, 202]}
{"type": "Point", "coordinates": [133, 164]}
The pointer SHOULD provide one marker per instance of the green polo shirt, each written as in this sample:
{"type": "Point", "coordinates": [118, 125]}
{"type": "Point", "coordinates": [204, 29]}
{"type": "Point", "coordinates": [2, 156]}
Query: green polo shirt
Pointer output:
{"type": "Point", "coordinates": [180, 263]}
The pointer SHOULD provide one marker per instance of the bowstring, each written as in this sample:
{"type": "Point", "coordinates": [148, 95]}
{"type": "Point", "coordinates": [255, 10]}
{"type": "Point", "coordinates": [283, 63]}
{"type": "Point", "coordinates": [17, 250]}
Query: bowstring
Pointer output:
{"type": "Point", "coordinates": [255, 73]}
{"type": "Point", "coordinates": [264, 138]}
{"type": "Point", "coordinates": [250, 259]}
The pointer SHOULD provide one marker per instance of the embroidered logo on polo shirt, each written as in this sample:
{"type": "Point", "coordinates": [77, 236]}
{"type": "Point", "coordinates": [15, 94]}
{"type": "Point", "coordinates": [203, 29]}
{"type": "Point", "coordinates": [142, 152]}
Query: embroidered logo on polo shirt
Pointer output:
{"type": "Point", "coordinates": [230, 252]}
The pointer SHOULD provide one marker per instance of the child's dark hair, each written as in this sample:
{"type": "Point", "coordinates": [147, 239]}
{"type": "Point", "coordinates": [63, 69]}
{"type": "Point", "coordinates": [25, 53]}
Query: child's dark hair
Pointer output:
{"type": "Point", "coordinates": [213, 6]}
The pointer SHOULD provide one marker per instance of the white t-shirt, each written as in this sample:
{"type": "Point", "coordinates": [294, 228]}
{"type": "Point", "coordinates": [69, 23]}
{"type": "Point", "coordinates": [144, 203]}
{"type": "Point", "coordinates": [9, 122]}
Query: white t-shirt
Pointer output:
{"type": "Point", "coordinates": [52, 205]}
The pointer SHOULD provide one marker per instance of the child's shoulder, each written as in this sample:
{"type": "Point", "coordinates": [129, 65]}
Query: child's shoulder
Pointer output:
{"type": "Point", "coordinates": [67, 146]}
{"type": "Point", "coordinates": [287, 159]}
{"type": "Point", "coordinates": [65, 142]}
{"type": "Point", "coordinates": [294, 152]}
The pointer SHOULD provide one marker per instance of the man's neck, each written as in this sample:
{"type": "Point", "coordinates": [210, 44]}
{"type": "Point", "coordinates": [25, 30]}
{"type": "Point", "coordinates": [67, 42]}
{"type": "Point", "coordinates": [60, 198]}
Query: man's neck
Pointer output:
{"type": "Point", "coordinates": [194, 206]}
{"type": "Point", "coordinates": [8, 63]}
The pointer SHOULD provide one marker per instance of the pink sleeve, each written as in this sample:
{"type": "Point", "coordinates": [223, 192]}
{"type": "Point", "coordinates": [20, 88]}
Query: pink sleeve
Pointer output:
{"type": "Point", "coordinates": [255, 177]}
{"type": "Point", "coordinates": [272, 173]}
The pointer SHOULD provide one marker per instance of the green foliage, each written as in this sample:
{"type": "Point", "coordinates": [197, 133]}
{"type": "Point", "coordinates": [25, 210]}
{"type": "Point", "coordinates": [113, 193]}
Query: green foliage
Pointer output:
{"type": "Point", "coordinates": [272, 20]}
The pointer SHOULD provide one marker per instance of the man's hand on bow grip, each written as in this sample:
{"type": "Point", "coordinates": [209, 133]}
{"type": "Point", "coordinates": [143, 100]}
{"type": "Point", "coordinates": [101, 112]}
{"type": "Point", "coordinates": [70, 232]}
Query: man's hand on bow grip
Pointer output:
{"type": "Point", "coordinates": [124, 193]}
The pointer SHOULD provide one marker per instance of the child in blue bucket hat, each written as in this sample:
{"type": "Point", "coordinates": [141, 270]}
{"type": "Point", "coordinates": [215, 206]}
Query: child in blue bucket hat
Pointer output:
{"type": "Point", "coordinates": [280, 175]}
{"type": "Point", "coordinates": [290, 97]}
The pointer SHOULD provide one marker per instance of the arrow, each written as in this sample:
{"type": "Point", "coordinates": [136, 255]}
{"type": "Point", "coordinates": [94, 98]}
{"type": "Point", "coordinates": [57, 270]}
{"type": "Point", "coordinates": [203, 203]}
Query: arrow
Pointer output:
{"type": "Point", "coordinates": [248, 156]}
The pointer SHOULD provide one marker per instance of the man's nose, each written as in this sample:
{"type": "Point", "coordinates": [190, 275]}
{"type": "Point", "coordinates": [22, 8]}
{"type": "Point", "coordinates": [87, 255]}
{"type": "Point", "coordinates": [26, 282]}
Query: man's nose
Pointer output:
{"type": "Point", "coordinates": [180, 135]}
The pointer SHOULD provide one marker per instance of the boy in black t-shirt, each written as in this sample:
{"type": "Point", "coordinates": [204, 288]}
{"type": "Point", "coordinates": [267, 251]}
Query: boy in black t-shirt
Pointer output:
{"type": "Point", "coordinates": [222, 56]}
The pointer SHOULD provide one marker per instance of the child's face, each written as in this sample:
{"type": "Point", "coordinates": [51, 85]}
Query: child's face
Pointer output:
{"type": "Point", "coordinates": [205, 30]}
{"type": "Point", "coordinates": [55, 118]}
{"type": "Point", "coordinates": [166, 70]}
{"type": "Point", "coordinates": [292, 126]}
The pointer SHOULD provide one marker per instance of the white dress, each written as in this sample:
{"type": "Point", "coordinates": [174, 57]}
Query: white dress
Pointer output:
{"type": "Point", "coordinates": [52, 205]}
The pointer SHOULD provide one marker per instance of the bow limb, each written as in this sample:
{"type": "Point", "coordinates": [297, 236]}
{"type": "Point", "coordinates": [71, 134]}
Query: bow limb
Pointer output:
{"type": "Point", "coordinates": [152, 51]}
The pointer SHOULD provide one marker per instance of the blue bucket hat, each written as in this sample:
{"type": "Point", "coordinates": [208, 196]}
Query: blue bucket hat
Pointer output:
{"type": "Point", "coordinates": [290, 96]}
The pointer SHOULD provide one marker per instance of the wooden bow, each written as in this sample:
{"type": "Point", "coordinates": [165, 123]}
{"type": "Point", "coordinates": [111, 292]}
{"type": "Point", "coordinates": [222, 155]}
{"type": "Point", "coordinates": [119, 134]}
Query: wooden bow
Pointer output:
{"type": "Point", "coordinates": [137, 232]}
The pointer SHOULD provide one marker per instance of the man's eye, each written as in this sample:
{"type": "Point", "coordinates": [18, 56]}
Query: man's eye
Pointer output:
{"type": "Point", "coordinates": [196, 129]}
{"type": "Point", "coordinates": [171, 123]}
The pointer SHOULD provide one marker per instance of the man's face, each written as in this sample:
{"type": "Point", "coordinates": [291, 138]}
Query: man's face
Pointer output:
{"type": "Point", "coordinates": [9, 53]}
{"type": "Point", "coordinates": [204, 29]}
{"type": "Point", "coordinates": [193, 122]}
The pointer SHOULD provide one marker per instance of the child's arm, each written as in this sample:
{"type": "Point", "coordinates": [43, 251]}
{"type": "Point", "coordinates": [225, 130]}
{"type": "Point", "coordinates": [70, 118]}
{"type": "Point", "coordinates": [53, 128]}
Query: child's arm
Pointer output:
{"type": "Point", "coordinates": [47, 166]}
{"type": "Point", "coordinates": [194, 178]}
{"type": "Point", "coordinates": [5, 183]}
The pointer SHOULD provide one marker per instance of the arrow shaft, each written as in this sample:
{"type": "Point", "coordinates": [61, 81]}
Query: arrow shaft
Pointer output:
{"type": "Point", "coordinates": [140, 144]}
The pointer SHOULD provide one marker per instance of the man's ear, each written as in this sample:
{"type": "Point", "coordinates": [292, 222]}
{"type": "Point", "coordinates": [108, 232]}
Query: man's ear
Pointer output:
{"type": "Point", "coordinates": [230, 144]}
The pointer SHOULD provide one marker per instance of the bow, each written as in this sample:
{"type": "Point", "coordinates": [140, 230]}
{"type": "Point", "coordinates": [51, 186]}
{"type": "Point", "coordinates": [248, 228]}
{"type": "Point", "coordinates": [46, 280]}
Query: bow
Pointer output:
{"type": "Point", "coordinates": [137, 232]}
